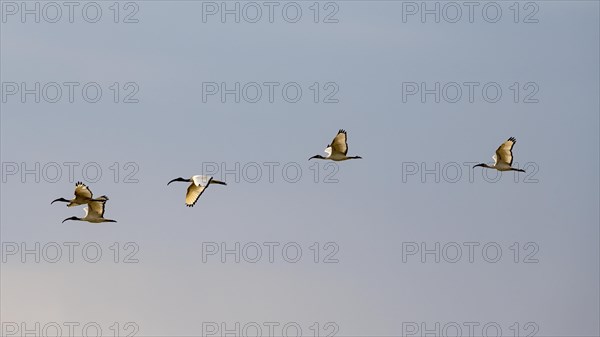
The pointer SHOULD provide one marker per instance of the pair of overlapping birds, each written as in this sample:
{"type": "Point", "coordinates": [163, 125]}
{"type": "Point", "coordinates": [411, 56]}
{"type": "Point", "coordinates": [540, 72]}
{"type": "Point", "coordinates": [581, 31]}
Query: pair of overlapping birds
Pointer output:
{"type": "Point", "coordinates": [336, 151]}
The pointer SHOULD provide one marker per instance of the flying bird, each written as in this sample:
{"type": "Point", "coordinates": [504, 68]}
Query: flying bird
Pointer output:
{"type": "Point", "coordinates": [338, 149]}
{"type": "Point", "coordinates": [94, 213]}
{"type": "Point", "coordinates": [503, 158]}
{"type": "Point", "coordinates": [83, 195]}
{"type": "Point", "coordinates": [199, 183]}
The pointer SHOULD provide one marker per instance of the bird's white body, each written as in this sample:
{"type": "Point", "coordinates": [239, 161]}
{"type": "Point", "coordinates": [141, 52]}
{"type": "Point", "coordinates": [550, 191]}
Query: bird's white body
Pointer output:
{"type": "Point", "coordinates": [92, 216]}
{"type": "Point", "coordinates": [94, 212]}
{"type": "Point", "coordinates": [200, 180]}
{"type": "Point", "coordinates": [335, 156]}
{"type": "Point", "coordinates": [500, 166]}
{"type": "Point", "coordinates": [199, 183]}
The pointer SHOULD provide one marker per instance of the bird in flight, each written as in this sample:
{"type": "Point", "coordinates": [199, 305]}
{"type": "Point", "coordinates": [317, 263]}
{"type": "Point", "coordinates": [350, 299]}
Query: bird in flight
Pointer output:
{"type": "Point", "coordinates": [338, 149]}
{"type": "Point", "coordinates": [94, 212]}
{"type": "Point", "coordinates": [503, 158]}
{"type": "Point", "coordinates": [199, 183]}
{"type": "Point", "coordinates": [83, 195]}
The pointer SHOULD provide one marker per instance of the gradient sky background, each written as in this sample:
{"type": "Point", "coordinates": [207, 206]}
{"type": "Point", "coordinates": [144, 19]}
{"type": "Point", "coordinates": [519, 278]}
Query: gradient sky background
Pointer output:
{"type": "Point", "coordinates": [368, 213]}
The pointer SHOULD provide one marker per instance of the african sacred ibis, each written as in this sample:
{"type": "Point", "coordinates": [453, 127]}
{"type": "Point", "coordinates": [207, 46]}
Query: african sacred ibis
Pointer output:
{"type": "Point", "coordinates": [94, 212]}
{"type": "Point", "coordinates": [503, 158]}
{"type": "Point", "coordinates": [83, 195]}
{"type": "Point", "coordinates": [199, 183]}
{"type": "Point", "coordinates": [338, 149]}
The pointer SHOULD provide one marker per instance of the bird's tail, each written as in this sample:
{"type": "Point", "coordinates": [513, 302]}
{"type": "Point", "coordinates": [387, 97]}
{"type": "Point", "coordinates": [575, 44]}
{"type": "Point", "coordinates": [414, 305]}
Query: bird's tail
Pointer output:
{"type": "Point", "coordinates": [102, 198]}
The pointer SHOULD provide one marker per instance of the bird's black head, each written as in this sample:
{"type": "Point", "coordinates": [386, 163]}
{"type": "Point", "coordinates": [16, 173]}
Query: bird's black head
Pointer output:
{"type": "Point", "coordinates": [61, 200]}
{"type": "Point", "coordinates": [71, 218]}
{"type": "Point", "coordinates": [177, 179]}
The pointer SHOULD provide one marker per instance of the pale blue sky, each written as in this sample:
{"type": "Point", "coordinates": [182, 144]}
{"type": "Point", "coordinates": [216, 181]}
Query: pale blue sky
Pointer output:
{"type": "Point", "coordinates": [369, 213]}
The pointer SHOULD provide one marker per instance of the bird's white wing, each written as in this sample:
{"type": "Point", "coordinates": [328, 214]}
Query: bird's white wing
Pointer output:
{"type": "Point", "coordinates": [200, 180]}
{"type": "Point", "coordinates": [193, 193]}
{"type": "Point", "coordinates": [504, 152]}
{"type": "Point", "coordinates": [82, 191]}
{"type": "Point", "coordinates": [96, 209]}
{"type": "Point", "coordinates": [495, 159]}
{"type": "Point", "coordinates": [328, 151]}
{"type": "Point", "coordinates": [339, 143]}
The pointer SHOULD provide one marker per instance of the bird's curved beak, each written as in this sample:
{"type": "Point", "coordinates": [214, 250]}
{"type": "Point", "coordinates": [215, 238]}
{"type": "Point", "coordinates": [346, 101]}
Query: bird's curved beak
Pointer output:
{"type": "Point", "coordinates": [55, 200]}
{"type": "Point", "coordinates": [213, 181]}
{"type": "Point", "coordinates": [176, 179]}
{"type": "Point", "coordinates": [71, 218]}
{"type": "Point", "coordinates": [479, 165]}
{"type": "Point", "coordinates": [313, 157]}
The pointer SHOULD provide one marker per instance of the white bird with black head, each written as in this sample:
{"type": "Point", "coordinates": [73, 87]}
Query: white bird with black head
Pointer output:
{"type": "Point", "coordinates": [94, 213]}
{"type": "Point", "coordinates": [338, 149]}
{"type": "Point", "coordinates": [83, 195]}
{"type": "Point", "coordinates": [503, 158]}
{"type": "Point", "coordinates": [199, 184]}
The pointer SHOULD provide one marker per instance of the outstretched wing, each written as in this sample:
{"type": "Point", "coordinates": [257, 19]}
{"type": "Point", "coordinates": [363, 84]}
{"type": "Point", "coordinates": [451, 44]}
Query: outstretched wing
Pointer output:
{"type": "Point", "coordinates": [95, 209]}
{"type": "Point", "coordinates": [340, 143]}
{"type": "Point", "coordinates": [82, 191]}
{"type": "Point", "coordinates": [193, 193]}
{"type": "Point", "coordinates": [504, 152]}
